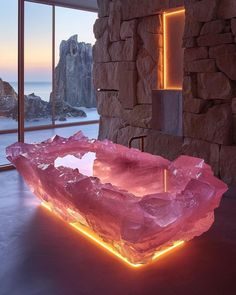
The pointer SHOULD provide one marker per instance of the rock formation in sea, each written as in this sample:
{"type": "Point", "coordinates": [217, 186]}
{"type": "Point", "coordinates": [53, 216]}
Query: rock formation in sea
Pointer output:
{"type": "Point", "coordinates": [73, 75]}
{"type": "Point", "coordinates": [8, 99]}
{"type": "Point", "coordinates": [35, 107]}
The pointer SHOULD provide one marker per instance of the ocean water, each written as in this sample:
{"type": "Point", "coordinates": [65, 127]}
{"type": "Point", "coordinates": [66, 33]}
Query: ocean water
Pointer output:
{"type": "Point", "coordinates": [42, 89]}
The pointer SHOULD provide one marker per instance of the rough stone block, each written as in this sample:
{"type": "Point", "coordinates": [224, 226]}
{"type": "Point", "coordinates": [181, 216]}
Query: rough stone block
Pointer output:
{"type": "Point", "coordinates": [227, 64]}
{"type": "Point", "coordinates": [213, 27]}
{"type": "Point", "coordinates": [199, 66]}
{"type": "Point", "coordinates": [204, 10]}
{"type": "Point", "coordinates": [106, 76]}
{"type": "Point", "coordinates": [176, 3]}
{"type": "Point", "coordinates": [139, 116]}
{"type": "Point", "coordinates": [127, 84]}
{"type": "Point", "coordinates": [167, 111]}
{"type": "Point", "coordinates": [128, 29]}
{"type": "Point", "coordinates": [103, 7]}
{"type": "Point", "coordinates": [234, 128]}
{"type": "Point", "coordinates": [214, 126]}
{"type": "Point", "coordinates": [210, 152]}
{"type": "Point", "coordinates": [228, 164]}
{"type": "Point", "coordinates": [226, 9]}
{"type": "Point", "coordinates": [189, 42]}
{"type": "Point", "coordinates": [141, 8]}
{"type": "Point", "coordinates": [100, 27]}
{"type": "Point", "coordinates": [156, 143]}
{"type": "Point", "coordinates": [213, 86]}
{"type": "Point", "coordinates": [192, 28]}
{"type": "Point", "coordinates": [223, 49]}
{"type": "Point", "coordinates": [149, 73]}
{"type": "Point", "coordinates": [100, 49]}
{"type": "Point", "coordinates": [233, 105]}
{"type": "Point", "coordinates": [109, 127]}
{"type": "Point", "coordinates": [192, 104]}
{"type": "Point", "coordinates": [215, 39]}
{"type": "Point", "coordinates": [151, 24]}
{"type": "Point", "coordinates": [124, 134]}
{"type": "Point", "coordinates": [114, 20]}
{"type": "Point", "coordinates": [233, 26]}
{"type": "Point", "coordinates": [116, 51]}
{"type": "Point", "coordinates": [108, 104]}
{"type": "Point", "coordinates": [123, 50]}
{"type": "Point", "coordinates": [191, 54]}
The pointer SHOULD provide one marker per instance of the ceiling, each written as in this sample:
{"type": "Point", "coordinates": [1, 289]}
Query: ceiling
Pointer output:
{"type": "Point", "coordinates": [90, 5]}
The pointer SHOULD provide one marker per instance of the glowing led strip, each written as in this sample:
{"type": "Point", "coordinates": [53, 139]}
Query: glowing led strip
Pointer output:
{"type": "Point", "coordinates": [98, 241]}
{"type": "Point", "coordinates": [165, 15]}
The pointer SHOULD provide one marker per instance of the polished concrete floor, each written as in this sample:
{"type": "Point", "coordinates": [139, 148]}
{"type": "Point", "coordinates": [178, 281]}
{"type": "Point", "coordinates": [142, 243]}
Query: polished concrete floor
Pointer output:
{"type": "Point", "coordinates": [40, 255]}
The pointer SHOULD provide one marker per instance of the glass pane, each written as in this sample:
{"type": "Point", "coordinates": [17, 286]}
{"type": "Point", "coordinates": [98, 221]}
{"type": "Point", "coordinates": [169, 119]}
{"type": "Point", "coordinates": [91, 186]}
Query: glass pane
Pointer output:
{"type": "Point", "coordinates": [74, 92]}
{"type": "Point", "coordinates": [90, 131]}
{"type": "Point", "coordinates": [38, 64]}
{"type": "Point", "coordinates": [8, 74]}
{"type": "Point", "coordinates": [173, 51]}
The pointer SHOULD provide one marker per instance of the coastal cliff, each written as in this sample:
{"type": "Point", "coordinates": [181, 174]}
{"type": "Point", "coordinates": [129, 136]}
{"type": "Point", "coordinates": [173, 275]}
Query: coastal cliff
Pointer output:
{"type": "Point", "coordinates": [73, 74]}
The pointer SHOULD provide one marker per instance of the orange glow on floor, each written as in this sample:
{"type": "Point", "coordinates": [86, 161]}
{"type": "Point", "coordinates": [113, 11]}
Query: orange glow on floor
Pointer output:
{"type": "Point", "coordinates": [169, 82]}
{"type": "Point", "coordinates": [98, 241]}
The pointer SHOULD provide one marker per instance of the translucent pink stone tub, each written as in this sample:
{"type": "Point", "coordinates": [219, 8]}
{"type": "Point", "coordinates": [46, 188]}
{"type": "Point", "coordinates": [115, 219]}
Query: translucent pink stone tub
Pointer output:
{"type": "Point", "coordinates": [134, 204]}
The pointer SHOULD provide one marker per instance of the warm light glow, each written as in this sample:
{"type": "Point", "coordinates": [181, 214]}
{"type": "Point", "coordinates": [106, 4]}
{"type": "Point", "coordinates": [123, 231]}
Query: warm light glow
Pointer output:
{"type": "Point", "coordinates": [165, 180]}
{"type": "Point", "coordinates": [168, 37]}
{"type": "Point", "coordinates": [92, 236]}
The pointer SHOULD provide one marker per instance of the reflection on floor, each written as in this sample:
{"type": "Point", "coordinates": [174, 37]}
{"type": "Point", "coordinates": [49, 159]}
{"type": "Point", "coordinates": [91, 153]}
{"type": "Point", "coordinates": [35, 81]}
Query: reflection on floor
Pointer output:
{"type": "Point", "coordinates": [35, 136]}
{"type": "Point", "coordinates": [40, 255]}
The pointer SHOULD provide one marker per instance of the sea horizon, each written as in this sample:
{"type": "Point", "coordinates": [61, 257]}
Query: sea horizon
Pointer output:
{"type": "Point", "coordinates": [42, 89]}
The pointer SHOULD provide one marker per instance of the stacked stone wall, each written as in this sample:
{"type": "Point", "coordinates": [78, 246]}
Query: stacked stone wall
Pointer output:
{"type": "Point", "coordinates": [128, 66]}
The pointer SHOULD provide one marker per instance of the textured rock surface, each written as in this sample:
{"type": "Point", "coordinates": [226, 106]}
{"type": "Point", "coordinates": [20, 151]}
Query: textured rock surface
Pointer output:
{"type": "Point", "coordinates": [128, 29]}
{"type": "Point", "coordinates": [8, 99]}
{"type": "Point", "coordinates": [108, 104]}
{"type": "Point", "coordinates": [216, 26]}
{"type": "Point", "coordinates": [223, 49]}
{"type": "Point", "coordinates": [156, 143]}
{"type": "Point", "coordinates": [106, 76]}
{"type": "Point", "coordinates": [215, 39]}
{"type": "Point", "coordinates": [209, 83]}
{"type": "Point", "coordinates": [204, 10]}
{"type": "Point", "coordinates": [228, 164]}
{"type": "Point", "coordinates": [118, 193]}
{"type": "Point", "coordinates": [109, 127]}
{"type": "Point", "coordinates": [234, 105]}
{"type": "Point", "coordinates": [226, 9]}
{"type": "Point", "coordinates": [126, 132]}
{"type": "Point", "coordinates": [199, 66]}
{"type": "Point", "coordinates": [191, 54]}
{"type": "Point", "coordinates": [103, 6]}
{"type": "Point", "coordinates": [73, 74]}
{"type": "Point", "coordinates": [100, 49]}
{"type": "Point", "coordinates": [139, 116]}
{"type": "Point", "coordinates": [227, 63]}
{"type": "Point", "coordinates": [149, 76]}
{"type": "Point", "coordinates": [213, 86]}
{"type": "Point", "coordinates": [217, 124]}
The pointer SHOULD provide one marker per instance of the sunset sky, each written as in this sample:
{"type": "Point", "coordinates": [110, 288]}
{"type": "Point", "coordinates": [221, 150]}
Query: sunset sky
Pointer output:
{"type": "Point", "coordinates": [38, 34]}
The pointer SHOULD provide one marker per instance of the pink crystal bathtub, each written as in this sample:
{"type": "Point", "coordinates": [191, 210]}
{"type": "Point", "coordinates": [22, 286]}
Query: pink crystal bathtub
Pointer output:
{"type": "Point", "coordinates": [134, 204]}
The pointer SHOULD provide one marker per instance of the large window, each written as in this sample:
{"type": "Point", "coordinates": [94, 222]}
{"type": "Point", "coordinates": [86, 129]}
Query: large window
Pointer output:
{"type": "Point", "coordinates": [8, 74]}
{"type": "Point", "coordinates": [55, 58]}
{"type": "Point", "coordinates": [38, 64]}
{"type": "Point", "coordinates": [74, 89]}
